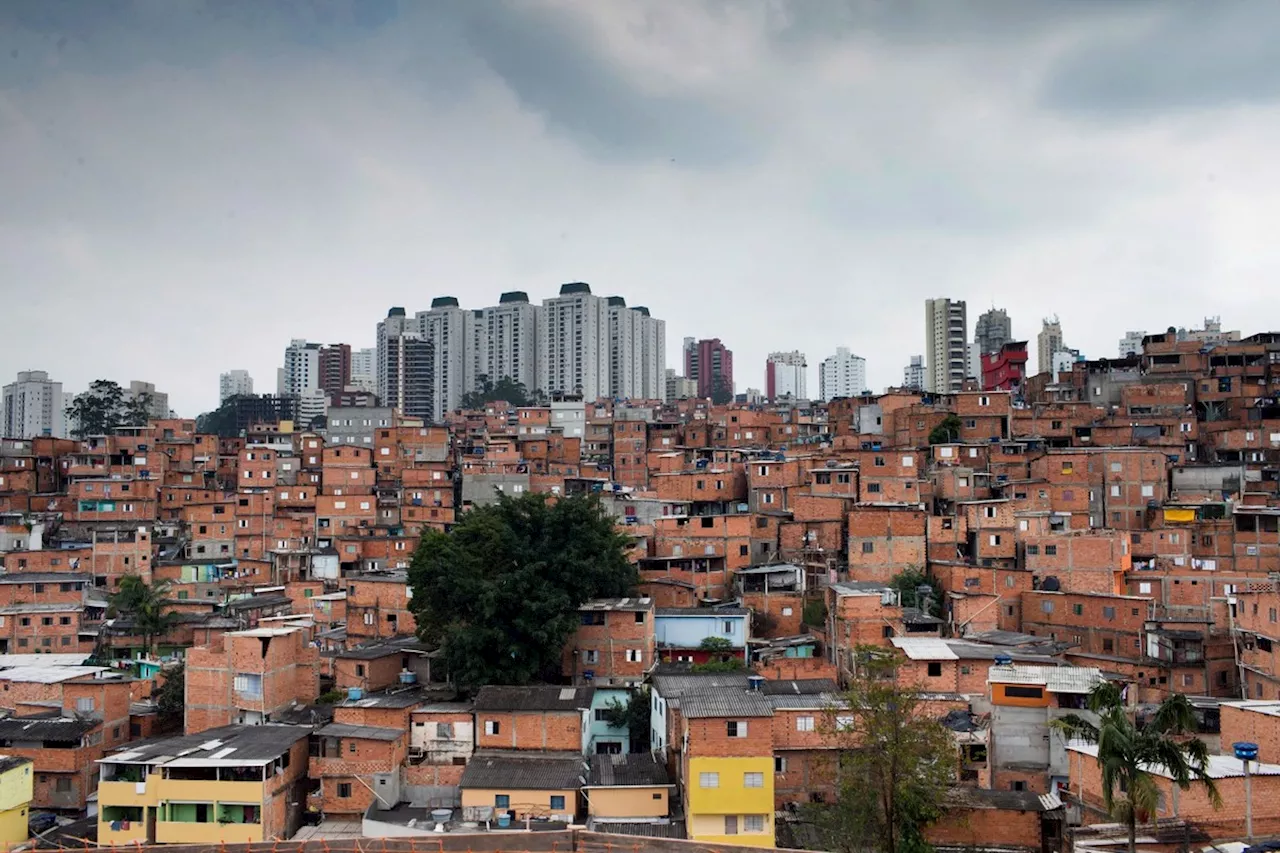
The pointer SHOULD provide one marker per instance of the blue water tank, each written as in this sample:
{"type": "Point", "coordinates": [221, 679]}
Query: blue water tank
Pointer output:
{"type": "Point", "coordinates": [1003, 660]}
{"type": "Point", "coordinates": [1245, 750]}
{"type": "Point", "coordinates": [355, 693]}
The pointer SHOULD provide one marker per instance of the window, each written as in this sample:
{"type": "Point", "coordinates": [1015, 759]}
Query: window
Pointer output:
{"type": "Point", "coordinates": [868, 547]}
{"type": "Point", "coordinates": [804, 724]}
{"type": "Point", "coordinates": [753, 780]}
{"type": "Point", "coordinates": [873, 488]}
{"type": "Point", "coordinates": [492, 727]}
{"type": "Point", "coordinates": [1068, 468]}
{"type": "Point", "coordinates": [730, 824]}
{"type": "Point", "coordinates": [844, 722]}
{"type": "Point", "coordinates": [736, 728]}
{"type": "Point", "coordinates": [1019, 691]}
{"type": "Point", "coordinates": [935, 669]}
{"type": "Point", "coordinates": [1050, 550]}
{"type": "Point", "coordinates": [502, 801]}
{"type": "Point", "coordinates": [726, 627]}
{"type": "Point", "coordinates": [1046, 606]}
{"type": "Point", "coordinates": [1033, 550]}
{"type": "Point", "coordinates": [1108, 613]}
{"type": "Point", "coordinates": [753, 823]}
{"type": "Point", "coordinates": [84, 704]}
{"type": "Point", "coordinates": [633, 655]}
{"type": "Point", "coordinates": [708, 780]}
{"type": "Point", "coordinates": [780, 765]}
{"type": "Point", "coordinates": [344, 789]}
{"type": "Point", "coordinates": [1077, 609]}
{"type": "Point", "coordinates": [557, 803]}
{"type": "Point", "coordinates": [590, 656]}
{"type": "Point", "coordinates": [1108, 645]}
{"type": "Point", "coordinates": [63, 785]}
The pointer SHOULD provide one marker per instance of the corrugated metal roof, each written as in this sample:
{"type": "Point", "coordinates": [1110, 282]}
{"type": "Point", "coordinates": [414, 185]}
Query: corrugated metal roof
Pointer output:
{"type": "Point", "coordinates": [689, 684]}
{"type": "Point", "coordinates": [361, 732]}
{"type": "Point", "coordinates": [549, 698]}
{"type": "Point", "coordinates": [12, 661]}
{"type": "Point", "coordinates": [924, 648]}
{"type": "Point", "coordinates": [635, 770]}
{"type": "Point", "coordinates": [48, 674]}
{"type": "Point", "coordinates": [1219, 767]}
{"type": "Point", "coordinates": [548, 771]}
{"type": "Point", "coordinates": [726, 703]}
{"type": "Point", "coordinates": [1055, 679]}
{"type": "Point", "coordinates": [807, 702]}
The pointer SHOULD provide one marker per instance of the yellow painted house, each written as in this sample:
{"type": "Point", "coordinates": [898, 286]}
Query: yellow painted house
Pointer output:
{"type": "Point", "coordinates": [17, 787]}
{"type": "Point", "coordinates": [627, 789]}
{"type": "Point", "coordinates": [728, 767]}
{"type": "Point", "coordinates": [233, 784]}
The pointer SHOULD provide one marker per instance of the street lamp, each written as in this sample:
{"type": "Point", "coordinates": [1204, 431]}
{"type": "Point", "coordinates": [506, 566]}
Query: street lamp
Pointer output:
{"type": "Point", "coordinates": [1247, 751]}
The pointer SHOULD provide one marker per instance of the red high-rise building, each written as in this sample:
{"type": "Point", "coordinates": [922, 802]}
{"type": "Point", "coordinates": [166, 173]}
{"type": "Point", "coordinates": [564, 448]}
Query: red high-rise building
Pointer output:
{"type": "Point", "coordinates": [1005, 370]}
{"type": "Point", "coordinates": [708, 362]}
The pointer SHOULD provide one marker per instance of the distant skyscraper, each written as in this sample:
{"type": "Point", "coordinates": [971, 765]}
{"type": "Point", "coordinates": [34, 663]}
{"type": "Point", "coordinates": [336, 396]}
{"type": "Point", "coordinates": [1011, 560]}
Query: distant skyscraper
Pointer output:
{"type": "Point", "coordinates": [335, 369]}
{"type": "Point", "coordinates": [913, 375]}
{"type": "Point", "coordinates": [993, 330]}
{"type": "Point", "coordinates": [709, 363]}
{"type": "Point", "coordinates": [234, 383]}
{"type": "Point", "coordinates": [786, 375]}
{"type": "Point", "coordinates": [364, 369]}
{"type": "Point", "coordinates": [1131, 344]}
{"type": "Point", "coordinates": [842, 375]}
{"type": "Point", "coordinates": [1048, 342]}
{"type": "Point", "coordinates": [946, 345]}
{"type": "Point", "coordinates": [33, 406]}
{"type": "Point", "coordinates": [573, 343]}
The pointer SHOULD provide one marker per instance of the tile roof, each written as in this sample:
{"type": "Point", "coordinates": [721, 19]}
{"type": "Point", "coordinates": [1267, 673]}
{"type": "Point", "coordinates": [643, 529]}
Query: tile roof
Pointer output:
{"type": "Point", "coordinates": [635, 770]}
{"type": "Point", "coordinates": [542, 771]}
{"type": "Point", "coordinates": [726, 703]}
{"type": "Point", "coordinates": [549, 698]}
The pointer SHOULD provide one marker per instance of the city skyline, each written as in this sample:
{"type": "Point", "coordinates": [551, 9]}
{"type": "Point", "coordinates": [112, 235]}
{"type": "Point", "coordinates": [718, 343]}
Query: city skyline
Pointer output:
{"type": "Point", "coordinates": [319, 169]}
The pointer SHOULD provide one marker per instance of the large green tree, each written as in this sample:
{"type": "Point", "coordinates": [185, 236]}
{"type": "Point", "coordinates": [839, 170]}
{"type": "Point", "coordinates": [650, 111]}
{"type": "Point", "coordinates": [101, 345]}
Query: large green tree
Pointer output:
{"type": "Point", "coordinates": [488, 391]}
{"type": "Point", "coordinates": [97, 411]}
{"type": "Point", "coordinates": [499, 592]}
{"type": "Point", "coordinates": [1127, 754]}
{"type": "Point", "coordinates": [721, 390]}
{"type": "Point", "coordinates": [908, 584]}
{"type": "Point", "coordinates": [143, 608]}
{"type": "Point", "coordinates": [896, 764]}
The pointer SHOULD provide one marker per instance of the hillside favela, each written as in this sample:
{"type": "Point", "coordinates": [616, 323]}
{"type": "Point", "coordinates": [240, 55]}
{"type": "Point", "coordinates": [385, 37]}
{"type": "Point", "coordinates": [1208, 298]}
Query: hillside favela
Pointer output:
{"type": "Point", "coordinates": [983, 609]}
{"type": "Point", "coordinates": [639, 426]}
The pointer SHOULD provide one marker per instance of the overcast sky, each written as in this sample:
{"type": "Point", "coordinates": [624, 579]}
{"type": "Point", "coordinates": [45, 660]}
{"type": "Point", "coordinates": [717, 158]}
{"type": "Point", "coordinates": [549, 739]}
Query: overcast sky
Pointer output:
{"type": "Point", "coordinates": [185, 186]}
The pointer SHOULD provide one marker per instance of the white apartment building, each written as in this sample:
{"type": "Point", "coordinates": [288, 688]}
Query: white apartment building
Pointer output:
{"type": "Point", "coordinates": [786, 375]}
{"type": "Point", "coordinates": [1048, 343]}
{"type": "Point", "coordinates": [364, 369]}
{"type": "Point", "coordinates": [158, 401]}
{"type": "Point", "coordinates": [626, 350]}
{"type": "Point", "coordinates": [946, 325]}
{"type": "Point", "coordinates": [450, 330]}
{"type": "Point", "coordinates": [506, 340]}
{"type": "Point", "coordinates": [913, 374]}
{"type": "Point", "coordinates": [842, 375]}
{"type": "Point", "coordinates": [573, 351]}
{"type": "Point", "coordinates": [234, 383]}
{"type": "Point", "coordinates": [33, 406]}
{"type": "Point", "coordinates": [653, 355]}
{"type": "Point", "coordinates": [301, 371]}
{"type": "Point", "coordinates": [678, 387]}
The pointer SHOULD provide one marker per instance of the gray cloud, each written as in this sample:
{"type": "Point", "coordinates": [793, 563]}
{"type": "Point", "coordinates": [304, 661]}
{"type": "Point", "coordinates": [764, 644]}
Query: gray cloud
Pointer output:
{"type": "Point", "coordinates": [187, 186]}
{"type": "Point", "coordinates": [1180, 56]}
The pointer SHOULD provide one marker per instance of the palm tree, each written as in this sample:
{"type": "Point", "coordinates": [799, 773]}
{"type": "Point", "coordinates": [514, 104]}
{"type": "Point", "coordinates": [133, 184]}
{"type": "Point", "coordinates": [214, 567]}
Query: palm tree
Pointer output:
{"type": "Point", "coordinates": [1128, 755]}
{"type": "Point", "coordinates": [145, 605]}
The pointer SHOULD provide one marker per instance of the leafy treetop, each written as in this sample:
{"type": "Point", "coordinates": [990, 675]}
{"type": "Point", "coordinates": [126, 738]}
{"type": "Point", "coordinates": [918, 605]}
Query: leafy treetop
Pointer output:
{"type": "Point", "coordinates": [500, 591]}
